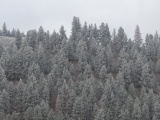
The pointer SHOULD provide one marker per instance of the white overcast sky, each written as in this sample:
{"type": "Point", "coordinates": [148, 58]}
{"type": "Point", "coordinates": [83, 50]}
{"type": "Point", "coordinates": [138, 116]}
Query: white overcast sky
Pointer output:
{"type": "Point", "coordinates": [51, 14]}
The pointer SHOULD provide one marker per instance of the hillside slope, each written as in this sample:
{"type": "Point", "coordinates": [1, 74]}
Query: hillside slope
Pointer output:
{"type": "Point", "coordinates": [6, 40]}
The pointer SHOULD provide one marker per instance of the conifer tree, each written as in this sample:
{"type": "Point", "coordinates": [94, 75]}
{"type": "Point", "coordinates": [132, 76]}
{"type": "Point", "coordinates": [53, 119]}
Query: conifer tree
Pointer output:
{"type": "Point", "coordinates": [120, 37]}
{"type": "Point", "coordinates": [76, 31]}
{"type": "Point", "coordinates": [15, 116]}
{"type": "Point", "coordinates": [77, 109]}
{"type": "Point", "coordinates": [105, 36]}
{"type": "Point", "coordinates": [41, 35]}
{"type": "Point", "coordinates": [84, 106]}
{"type": "Point", "coordinates": [51, 115]}
{"type": "Point", "coordinates": [145, 112]}
{"type": "Point", "coordinates": [69, 104]}
{"type": "Point", "coordinates": [58, 106]}
{"type": "Point", "coordinates": [147, 77]}
{"type": "Point", "coordinates": [32, 40]}
{"type": "Point", "coordinates": [82, 60]}
{"type": "Point", "coordinates": [4, 29]}
{"type": "Point", "coordinates": [5, 102]}
{"type": "Point", "coordinates": [137, 36]}
{"type": "Point", "coordinates": [138, 71]}
{"type": "Point", "coordinates": [18, 40]}
{"type": "Point", "coordinates": [158, 66]}
{"type": "Point", "coordinates": [100, 114]}
{"type": "Point", "coordinates": [28, 113]}
{"type": "Point", "coordinates": [137, 114]}
{"type": "Point", "coordinates": [103, 74]}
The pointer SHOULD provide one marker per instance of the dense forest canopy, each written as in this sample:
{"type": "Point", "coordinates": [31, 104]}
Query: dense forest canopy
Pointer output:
{"type": "Point", "coordinates": [95, 74]}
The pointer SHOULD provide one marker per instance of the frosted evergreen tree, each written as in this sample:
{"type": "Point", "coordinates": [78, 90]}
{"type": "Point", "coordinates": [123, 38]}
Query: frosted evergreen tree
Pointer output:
{"type": "Point", "coordinates": [52, 80]}
{"type": "Point", "coordinates": [92, 100]}
{"type": "Point", "coordinates": [100, 58]}
{"type": "Point", "coordinates": [62, 37]}
{"type": "Point", "coordinates": [129, 105]}
{"type": "Point", "coordinates": [67, 75]}
{"type": "Point", "coordinates": [84, 106]}
{"type": "Point", "coordinates": [105, 36]}
{"type": "Point", "coordinates": [93, 47]}
{"type": "Point", "coordinates": [145, 112]}
{"type": "Point", "coordinates": [81, 45]}
{"type": "Point", "coordinates": [158, 52]}
{"type": "Point", "coordinates": [132, 91]}
{"type": "Point", "coordinates": [122, 96]}
{"type": "Point", "coordinates": [150, 48]}
{"type": "Point", "coordinates": [87, 72]}
{"type": "Point", "coordinates": [1, 49]}
{"type": "Point", "coordinates": [41, 35]}
{"type": "Point", "coordinates": [28, 113]}
{"type": "Point", "coordinates": [151, 103]}
{"type": "Point", "coordinates": [58, 106]}
{"type": "Point", "coordinates": [4, 29]}
{"type": "Point", "coordinates": [5, 102]}
{"type": "Point", "coordinates": [19, 96]}
{"type": "Point", "coordinates": [126, 73]}
{"type": "Point", "coordinates": [2, 115]}
{"type": "Point", "coordinates": [35, 69]}
{"type": "Point", "coordinates": [120, 37]}
{"type": "Point", "coordinates": [3, 84]}
{"type": "Point", "coordinates": [138, 71]}
{"type": "Point", "coordinates": [2, 73]}
{"type": "Point", "coordinates": [158, 66]}
{"type": "Point", "coordinates": [26, 56]}
{"type": "Point", "coordinates": [51, 115]}
{"type": "Point", "coordinates": [147, 77]}
{"type": "Point", "coordinates": [109, 57]}
{"type": "Point", "coordinates": [99, 90]}
{"type": "Point", "coordinates": [137, 113]}
{"type": "Point", "coordinates": [18, 40]}
{"type": "Point", "coordinates": [15, 116]}
{"type": "Point", "coordinates": [69, 104]}
{"type": "Point", "coordinates": [64, 96]}
{"type": "Point", "coordinates": [45, 93]}
{"type": "Point", "coordinates": [41, 57]}
{"type": "Point", "coordinates": [120, 80]}
{"type": "Point", "coordinates": [53, 41]}
{"type": "Point", "coordinates": [85, 32]}
{"type": "Point", "coordinates": [62, 33]}
{"type": "Point", "coordinates": [132, 70]}
{"type": "Point", "coordinates": [44, 109]}
{"type": "Point", "coordinates": [77, 109]}
{"type": "Point", "coordinates": [11, 93]}
{"type": "Point", "coordinates": [95, 32]}
{"type": "Point", "coordinates": [124, 114]}
{"type": "Point", "coordinates": [157, 108]}
{"type": "Point", "coordinates": [100, 114]}
{"type": "Point", "coordinates": [103, 74]}
{"type": "Point", "coordinates": [32, 40]}
{"type": "Point", "coordinates": [37, 113]}
{"type": "Point", "coordinates": [137, 37]}
{"type": "Point", "coordinates": [13, 33]}
{"type": "Point", "coordinates": [144, 97]}
{"type": "Point", "coordinates": [76, 30]}
{"type": "Point", "coordinates": [82, 60]}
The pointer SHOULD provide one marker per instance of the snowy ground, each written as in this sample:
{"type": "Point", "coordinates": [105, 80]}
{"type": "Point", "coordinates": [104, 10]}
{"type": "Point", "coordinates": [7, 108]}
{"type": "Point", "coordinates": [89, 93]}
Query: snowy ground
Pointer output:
{"type": "Point", "coordinates": [6, 40]}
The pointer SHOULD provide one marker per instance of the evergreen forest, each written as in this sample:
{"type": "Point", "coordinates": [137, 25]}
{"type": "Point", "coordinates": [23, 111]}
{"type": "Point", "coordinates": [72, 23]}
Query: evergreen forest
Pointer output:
{"type": "Point", "coordinates": [94, 74]}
